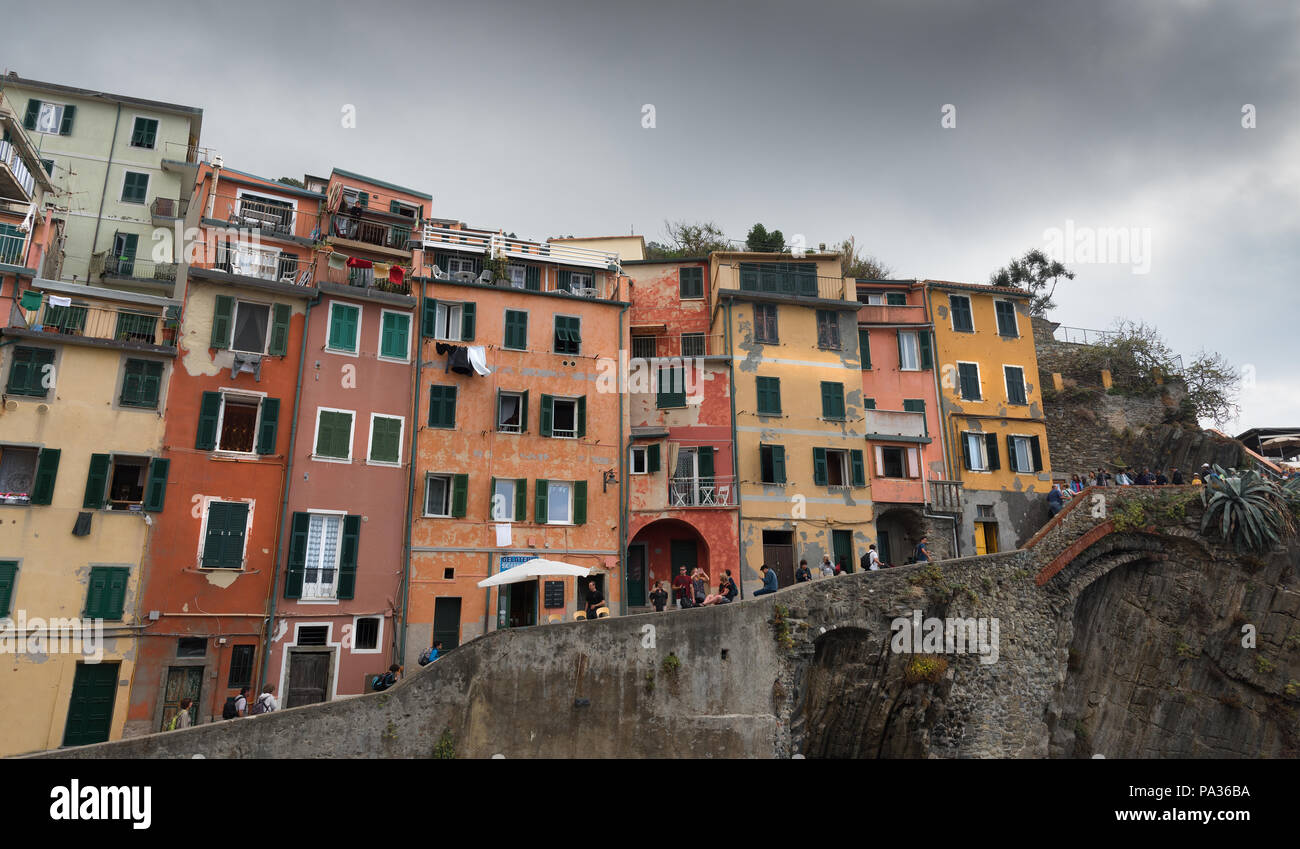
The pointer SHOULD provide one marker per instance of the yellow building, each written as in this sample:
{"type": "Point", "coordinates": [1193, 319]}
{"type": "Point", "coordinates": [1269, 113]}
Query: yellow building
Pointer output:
{"type": "Point", "coordinates": [995, 434]}
{"type": "Point", "coordinates": [789, 324]}
{"type": "Point", "coordinates": [85, 372]}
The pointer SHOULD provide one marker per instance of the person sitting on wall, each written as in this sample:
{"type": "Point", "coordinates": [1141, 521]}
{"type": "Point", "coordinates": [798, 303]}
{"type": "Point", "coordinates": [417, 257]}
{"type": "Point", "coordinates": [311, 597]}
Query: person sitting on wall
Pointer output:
{"type": "Point", "coordinates": [803, 573]}
{"type": "Point", "coordinates": [720, 597]}
{"type": "Point", "coordinates": [732, 589]}
{"type": "Point", "coordinates": [769, 580]}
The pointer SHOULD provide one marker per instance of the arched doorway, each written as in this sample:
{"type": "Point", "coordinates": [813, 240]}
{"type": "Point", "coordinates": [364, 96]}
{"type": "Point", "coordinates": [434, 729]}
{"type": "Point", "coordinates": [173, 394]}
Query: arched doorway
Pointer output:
{"type": "Point", "coordinates": [656, 552]}
{"type": "Point", "coordinates": [898, 530]}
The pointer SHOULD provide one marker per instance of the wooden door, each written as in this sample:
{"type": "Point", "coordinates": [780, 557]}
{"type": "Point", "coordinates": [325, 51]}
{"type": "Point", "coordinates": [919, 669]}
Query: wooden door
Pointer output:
{"type": "Point", "coordinates": [446, 621]}
{"type": "Point", "coordinates": [182, 682]}
{"type": "Point", "coordinates": [309, 674]}
{"type": "Point", "coordinates": [90, 712]}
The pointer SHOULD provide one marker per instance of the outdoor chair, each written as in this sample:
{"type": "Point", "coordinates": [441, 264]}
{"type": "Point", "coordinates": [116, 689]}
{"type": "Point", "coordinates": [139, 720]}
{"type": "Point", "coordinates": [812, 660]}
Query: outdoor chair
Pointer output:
{"type": "Point", "coordinates": [602, 612]}
{"type": "Point", "coordinates": [581, 614]}
{"type": "Point", "coordinates": [439, 274]}
{"type": "Point", "coordinates": [486, 277]}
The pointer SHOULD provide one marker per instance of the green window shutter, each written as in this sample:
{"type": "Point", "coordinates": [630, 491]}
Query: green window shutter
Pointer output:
{"type": "Point", "coordinates": [348, 557]}
{"type": "Point", "coordinates": [96, 593]}
{"type": "Point", "coordinates": [532, 278]}
{"type": "Point", "coordinates": [652, 458]}
{"type": "Point", "coordinates": [385, 440]}
{"type": "Point", "coordinates": [429, 318]}
{"type": "Point", "coordinates": [69, 113]}
{"type": "Point", "coordinates": [896, 299]}
{"type": "Point", "coordinates": [223, 545]}
{"type": "Point", "coordinates": [301, 527]}
{"type": "Point", "coordinates": [155, 491]}
{"type": "Point", "coordinates": [459, 495]}
{"type": "Point", "coordinates": [222, 320]}
{"type": "Point", "coordinates": [579, 502]}
{"type": "Point", "coordinates": [47, 470]}
{"type": "Point", "coordinates": [778, 463]}
{"type": "Point", "coordinates": [748, 277]}
{"type": "Point", "coordinates": [27, 374]}
{"type": "Point", "coordinates": [1036, 449]}
{"type": "Point", "coordinates": [33, 112]}
{"type": "Point", "coordinates": [916, 405]}
{"type": "Point", "coordinates": [394, 333]}
{"type": "Point", "coordinates": [442, 406]}
{"type": "Point", "coordinates": [868, 403]}
{"type": "Point", "coordinates": [8, 578]}
{"type": "Point", "coordinates": [516, 335]}
{"type": "Point", "coordinates": [269, 426]}
{"type": "Point", "coordinates": [563, 276]}
{"type": "Point", "coordinates": [539, 501]}
{"type": "Point", "coordinates": [819, 467]}
{"type": "Point", "coordinates": [864, 347]}
{"type": "Point", "coordinates": [467, 322]}
{"type": "Point", "coordinates": [832, 400]}
{"type": "Point", "coordinates": [965, 450]}
{"type": "Point", "coordinates": [859, 469]}
{"type": "Point", "coordinates": [1012, 464]}
{"type": "Point", "coordinates": [1015, 378]}
{"type": "Point", "coordinates": [705, 455]}
{"type": "Point", "coordinates": [209, 411]}
{"type": "Point", "coordinates": [279, 330]}
{"type": "Point", "coordinates": [769, 395]}
{"type": "Point", "coordinates": [927, 354]}
{"type": "Point", "coordinates": [521, 499]}
{"type": "Point", "coordinates": [394, 207]}
{"type": "Point", "coordinates": [96, 481]}
{"type": "Point", "coordinates": [582, 416]}
{"type": "Point", "coordinates": [135, 187]}
{"type": "Point", "coordinates": [523, 412]}
{"type": "Point", "coordinates": [991, 445]}
{"type": "Point", "coordinates": [672, 387]}
{"type": "Point", "coordinates": [334, 437]}
{"type": "Point", "coordinates": [214, 538]}
{"type": "Point", "coordinates": [343, 327]}
{"type": "Point", "coordinates": [106, 592]}
{"type": "Point", "coordinates": [544, 426]}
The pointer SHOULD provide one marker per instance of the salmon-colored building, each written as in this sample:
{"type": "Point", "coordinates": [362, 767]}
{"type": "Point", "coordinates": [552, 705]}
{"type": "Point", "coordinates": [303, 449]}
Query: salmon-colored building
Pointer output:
{"type": "Point", "coordinates": [519, 443]}
{"type": "Point", "coordinates": [903, 421]}
{"type": "Point", "coordinates": [682, 494]}
{"type": "Point", "coordinates": [211, 561]}
{"type": "Point", "coordinates": [338, 592]}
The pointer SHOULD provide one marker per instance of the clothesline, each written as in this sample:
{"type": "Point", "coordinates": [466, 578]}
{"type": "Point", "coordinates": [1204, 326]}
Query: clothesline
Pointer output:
{"type": "Point", "coordinates": [394, 273]}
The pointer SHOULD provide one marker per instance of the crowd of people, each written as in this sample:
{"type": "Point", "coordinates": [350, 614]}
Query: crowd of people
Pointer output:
{"type": "Point", "coordinates": [1144, 476]}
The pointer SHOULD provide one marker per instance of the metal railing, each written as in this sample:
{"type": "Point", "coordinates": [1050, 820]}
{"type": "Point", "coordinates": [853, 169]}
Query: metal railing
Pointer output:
{"type": "Point", "coordinates": [360, 229]}
{"type": "Point", "coordinates": [9, 156]}
{"type": "Point", "coordinates": [677, 345]}
{"type": "Point", "coordinates": [1085, 336]}
{"type": "Point", "coordinates": [121, 324]}
{"type": "Point", "coordinates": [702, 492]}
{"type": "Point", "coordinates": [187, 152]}
{"type": "Point", "coordinates": [945, 496]}
{"type": "Point", "coordinates": [104, 265]}
{"type": "Point", "coordinates": [281, 268]}
{"type": "Point", "coordinates": [169, 207]}
{"type": "Point", "coordinates": [13, 249]}
{"type": "Point", "coordinates": [496, 244]}
{"type": "Point", "coordinates": [360, 278]}
{"type": "Point", "coordinates": [252, 214]}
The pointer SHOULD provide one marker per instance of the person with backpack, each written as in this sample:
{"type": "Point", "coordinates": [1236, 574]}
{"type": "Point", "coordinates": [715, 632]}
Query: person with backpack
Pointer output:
{"type": "Point", "coordinates": [266, 702]}
{"type": "Point", "coordinates": [182, 719]}
{"type": "Point", "coordinates": [388, 679]}
{"type": "Point", "coordinates": [236, 706]}
{"type": "Point", "coordinates": [430, 654]}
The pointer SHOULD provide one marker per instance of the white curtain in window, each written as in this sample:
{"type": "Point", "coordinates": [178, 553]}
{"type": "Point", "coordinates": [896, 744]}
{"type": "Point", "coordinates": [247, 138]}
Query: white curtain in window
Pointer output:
{"type": "Point", "coordinates": [909, 351]}
{"type": "Point", "coordinates": [321, 573]}
{"type": "Point", "coordinates": [503, 507]}
{"type": "Point", "coordinates": [1024, 460]}
{"type": "Point", "coordinates": [557, 503]}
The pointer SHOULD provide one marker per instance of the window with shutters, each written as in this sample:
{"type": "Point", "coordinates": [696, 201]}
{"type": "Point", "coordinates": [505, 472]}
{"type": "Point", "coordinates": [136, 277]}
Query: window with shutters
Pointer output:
{"type": "Point", "coordinates": [564, 418]}
{"type": "Point", "coordinates": [344, 328]}
{"type": "Point", "coordinates": [516, 330]}
{"type": "Point", "coordinates": [17, 473]}
{"type": "Point", "coordinates": [765, 324]}
{"type": "Point", "coordinates": [135, 187]}
{"type": "Point", "coordinates": [976, 451]}
{"type": "Point", "coordinates": [448, 321]}
{"type": "Point", "coordinates": [333, 434]}
{"type": "Point", "coordinates": [962, 319]}
{"type": "Point", "coordinates": [1015, 378]}
{"type": "Point", "coordinates": [45, 117]}
{"type": "Point", "coordinates": [690, 283]}
{"type": "Point", "coordinates": [8, 583]}
{"type": "Point", "coordinates": [559, 503]}
{"type": "Point", "coordinates": [442, 406]}
{"type": "Point", "coordinates": [671, 387]}
{"type": "Point", "coordinates": [225, 529]}
{"type": "Point", "coordinates": [828, 330]}
{"type": "Point", "coordinates": [771, 461]}
{"type": "Point", "coordinates": [320, 578]}
{"type": "Point", "coordinates": [144, 133]}
{"type": "Point", "coordinates": [386, 434]}
{"type": "Point", "coordinates": [1023, 454]}
{"type": "Point", "coordinates": [106, 592]}
{"type": "Point", "coordinates": [769, 395]}
{"type": "Point", "coordinates": [837, 468]}
{"type": "Point", "coordinates": [893, 461]}
{"type": "Point", "coordinates": [31, 372]}
{"type": "Point", "coordinates": [568, 334]}
{"type": "Point", "coordinates": [395, 336]}
{"type": "Point", "coordinates": [785, 278]}
{"type": "Point", "coordinates": [141, 384]}
{"type": "Point", "coordinates": [505, 500]}
{"type": "Point", "coordinates": [126, 482]}
{"type": "Point", "coordinates": [237, 423]}
{"type": "Point", "coordinates": [437, 495]}
{"type": "Point", "coordinates": [510, 412]}
{"type": "Point", "coordinates": [909, 351]}
{"type": "Point", "coordinates": [637, 460]}
{"type": "Point", "coordinates": [252, 323]}
{"type": "Point", "coordinates": [517, 275]}
{"type": "Point", "coordinates": [968, 378]}
{"type": "Point", "coordinates": [864, 347]}
{"type": "Point", "coordinates": [366, 631]}
{"type": "Point", "coordinates": [1006, 313]}
{"type": "Point", "coordinates": [833, 401]}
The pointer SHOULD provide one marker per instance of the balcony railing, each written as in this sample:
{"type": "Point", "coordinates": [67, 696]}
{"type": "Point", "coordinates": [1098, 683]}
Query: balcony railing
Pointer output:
{"type": "Point", "coordinates": [249, 213]}
{"type": "Point", "coordinates": [12, 249]}
{"type": "Point", "coordinates": [702, 492]}
{"type": "Point", "coordinates": [677, 345]}
{"type": "Point", "coordinates": [120, 323]}
{"type": "Point", "coordinates": [21, 176]}
{"type": "Point", "coordinates": [360, 278]}
{"type": "Point", "coordinates": [495, 244]}
{"type": "Point", "coordinates": [378, 233]}
{"type": "Point", "coordinates": [104, 265]}
{"type": "Point", "coordinates": [169, 207]}
{"type": "Point", "coordinates": [888, 423]}
{"type": "Point", "coordinates": [892, 314]}
{"type": "Point", "coordinates": [945, 496]}
{"type": "Point", "coordinates": [280, 268]}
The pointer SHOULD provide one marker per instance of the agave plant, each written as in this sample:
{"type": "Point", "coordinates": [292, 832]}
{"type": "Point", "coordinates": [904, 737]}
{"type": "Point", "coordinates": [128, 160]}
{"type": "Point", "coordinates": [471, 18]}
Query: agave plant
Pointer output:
{"type": "Point", "coordinates": [1291, 491]}
{"type": "Point", "coordinates": [1248, 510]}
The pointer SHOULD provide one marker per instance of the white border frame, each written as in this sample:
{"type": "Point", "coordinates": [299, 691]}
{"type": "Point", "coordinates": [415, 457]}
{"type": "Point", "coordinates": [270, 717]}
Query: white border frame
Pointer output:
{"type": "Point", "coordinates": [148, 181]}
{"type": "Point", "coordinates": [514, 501]}
{"type": "Point", "coordinates": [370, 440]}
{"type": "Point", "coordinates": [978, 377]}
{"type": "Point", "coordinates": [1028, 438]}
{"type": "Point", "coordinates": [984, 449]}
{"type": "Point", "coordinates": [379, 638]}
{"type": "Point", "coordinates": [206, 503]}
{"type": "Point", "coordinates": [247, 394]}
{"type": "Point", "coordinates": [915, 334]}
{"type": "Point", "coordinates": [352, 436]}
{"type": "Point", "coordinates": [645, 459]}
{"type": "Point", "coordinates": [234, 320]}
{"type": "Point", "coordinates": [572, 492]}
{"type": "Point", "coordinates": [338, 554]}
{"type": "Point", "coordinates": [424, 495]}
{"type": "Point", "coordinates": [62, 104]}
{"type": "Point", "coordinates": [574, 399]}
{"type": "Point", "coordinates": [1015, 317]}
{"type": "Point", "coordinates": [496, 413]}
{"type": "Point", "coordinates": [460, 325]}
{"type": "Point", "coordinates": [1006, 385]}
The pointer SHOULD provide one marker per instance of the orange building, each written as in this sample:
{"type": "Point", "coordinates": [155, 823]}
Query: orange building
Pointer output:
{"type": "Point", "coordinates": [519, 450]}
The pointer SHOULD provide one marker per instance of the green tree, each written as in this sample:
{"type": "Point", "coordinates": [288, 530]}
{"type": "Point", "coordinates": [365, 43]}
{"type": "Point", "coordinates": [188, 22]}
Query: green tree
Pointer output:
{"type": "Point", "coordinates": [854, 263]}
{"type": "Point", "coordinates": [760, 240]}
{"type": "Point", "coordinates": [1213, 385]}
{"type": "Point", "coordinates": [1037, 273]}
{"type": "Point", "coordinates": [688, 239]}
{"type": "Point", "coordinates": [292, 181]}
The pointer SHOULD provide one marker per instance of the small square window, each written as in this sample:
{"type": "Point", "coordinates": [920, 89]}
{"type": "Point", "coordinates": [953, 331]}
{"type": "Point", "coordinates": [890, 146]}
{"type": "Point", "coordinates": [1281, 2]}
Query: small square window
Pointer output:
{"type": "Point", "coordinates": [510, 412]}
{"type": "Point", "coordinates": [191, 647]}
{"type": "Point", "coordinates": [366, 635]}
{"type": "Point", "coordinates": [638, 460]}
{"type": "Point", "coordinates": [437, 496]}
{"type": "Point", "coordinates": [145, 133]}
{"type": "Point", "coordinates": [135, 187]}
{"type": "Point", "coordinates": [313, 635]}
{"type": "Point", "coordinates": [449, 573]}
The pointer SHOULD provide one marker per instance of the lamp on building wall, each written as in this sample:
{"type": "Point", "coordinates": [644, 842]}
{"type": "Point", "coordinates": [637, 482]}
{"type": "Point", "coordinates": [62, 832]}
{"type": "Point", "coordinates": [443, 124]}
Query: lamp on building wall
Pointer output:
{"type": "Point", "coordinates": [608, 478]}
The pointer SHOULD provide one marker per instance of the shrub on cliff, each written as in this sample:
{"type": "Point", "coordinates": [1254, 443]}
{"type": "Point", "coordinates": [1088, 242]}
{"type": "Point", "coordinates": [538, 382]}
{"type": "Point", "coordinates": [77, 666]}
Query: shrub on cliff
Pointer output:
{"type": "Point", "coordinates": [1246, 509]}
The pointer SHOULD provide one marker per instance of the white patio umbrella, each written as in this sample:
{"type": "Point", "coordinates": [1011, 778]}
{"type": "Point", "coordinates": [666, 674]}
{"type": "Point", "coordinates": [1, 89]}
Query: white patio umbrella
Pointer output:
{"type": "Point", "coordinates": [537, 568]}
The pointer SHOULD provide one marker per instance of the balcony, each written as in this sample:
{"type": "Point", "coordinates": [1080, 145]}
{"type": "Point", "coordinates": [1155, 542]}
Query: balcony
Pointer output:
{"type": "Point", "coordinates": [495, 244]}
{"type": "Point", "coordinates": [945, 496]}
{"type": "Point", "coordinates": [166, 211]}
{"type": "Point", "coordinates": [702, 492]}
{"type": "Point", "coordinates": [894, 424]}
{"type": "Point", "coordinates": [363, 278]}
{"type": "Point", "coordinates": [891, 314]}
{"type": "Point", "coordinates": [677, 345]}
{"type": "Point", "coordinates": [15, 179]}
{"type": "Point", "coordinates": [120, 324]}
{"type": "Point", "coordinates": [274, 266]}
{"type": "Point", "coordinates": [129, 267]}
{"type": "Point", "coordinates": [387, 235]}
{"type": "Point", "coordinates": [13, 249]}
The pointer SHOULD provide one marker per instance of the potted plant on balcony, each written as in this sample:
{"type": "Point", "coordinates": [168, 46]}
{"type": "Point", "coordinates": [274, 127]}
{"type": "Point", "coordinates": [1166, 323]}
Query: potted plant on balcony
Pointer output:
{"type": "Point", "coordinates": [169, 328]}
{"type": "Point", "coordinates": [498, 266]}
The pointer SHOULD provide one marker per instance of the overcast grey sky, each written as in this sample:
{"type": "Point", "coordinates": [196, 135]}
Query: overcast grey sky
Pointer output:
{"type": "Point", "coordinates": [818, 118]}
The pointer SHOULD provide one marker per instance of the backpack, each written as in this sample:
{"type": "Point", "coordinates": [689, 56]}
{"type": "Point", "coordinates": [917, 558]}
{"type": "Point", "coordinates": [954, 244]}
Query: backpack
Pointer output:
{"type": "Point", "coordinates": [171, 726]}
{"type": "Point", "coordinates": [382, 682]}
{"type": "Point", "coordinates": [228, 710]}
{"type": "Point", "coordinates": [259, 706]}
{"type": "Point", "coordinates": [428, 656]}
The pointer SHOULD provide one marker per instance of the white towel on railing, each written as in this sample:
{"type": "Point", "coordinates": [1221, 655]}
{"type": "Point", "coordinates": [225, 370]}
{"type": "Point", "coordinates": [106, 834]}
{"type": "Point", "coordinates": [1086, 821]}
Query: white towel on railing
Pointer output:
{"type": "Point", "coordinates": [60, 301]}
{"type": "Point", "coordinates": [478, 359]}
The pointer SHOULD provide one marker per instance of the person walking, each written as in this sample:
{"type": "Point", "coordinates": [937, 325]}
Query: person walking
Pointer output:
{"type": "Point", "coordinates": [873, 558]}
{"type": "Point", "coordinates": [769, 580]}
{"type": "Point", "coordinates": [1054, 502]}
{"type": "Point", "coordinates": [922, 554]}
{"type": "Point", "coordinates": [266, 702]}
{"type": "Point", "coordinates": [182, 719]}
{"type": "Point", "coordinates": [1177, 478]}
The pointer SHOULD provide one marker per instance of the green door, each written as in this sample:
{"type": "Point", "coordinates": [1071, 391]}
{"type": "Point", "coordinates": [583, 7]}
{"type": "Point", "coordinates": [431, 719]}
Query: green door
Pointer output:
{"type": "Point", "coordinates": [636, 593]}
{"type": "Point", "coordinates": [842, 541]}
{"type": "Point", "coordinates": [90, 713]}
{"type": "Point", "coordinates": [682, 552]}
